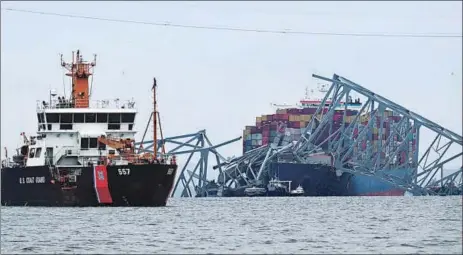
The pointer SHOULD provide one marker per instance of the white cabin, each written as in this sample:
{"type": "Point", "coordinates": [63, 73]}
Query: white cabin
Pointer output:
{"type": "Point", "coordinates": [69, 136]}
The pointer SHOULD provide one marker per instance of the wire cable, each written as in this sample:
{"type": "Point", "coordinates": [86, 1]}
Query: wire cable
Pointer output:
{"type": "Point", "coordinates": [237, 29]}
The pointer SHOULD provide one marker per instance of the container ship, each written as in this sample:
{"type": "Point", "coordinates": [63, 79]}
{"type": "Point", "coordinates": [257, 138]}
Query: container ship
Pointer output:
{"type": "Point", "coordinates": [84, 154]}
{"type": "Point", "coordinates": [319, 178]}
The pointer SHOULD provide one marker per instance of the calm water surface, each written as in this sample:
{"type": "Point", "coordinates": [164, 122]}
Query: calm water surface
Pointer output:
{"type": "Point", "coordinates": [242, 225]}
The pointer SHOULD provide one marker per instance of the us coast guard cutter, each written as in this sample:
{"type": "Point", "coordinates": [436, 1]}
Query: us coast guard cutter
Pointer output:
{"type": "Point", "coordinates": [84, 153]}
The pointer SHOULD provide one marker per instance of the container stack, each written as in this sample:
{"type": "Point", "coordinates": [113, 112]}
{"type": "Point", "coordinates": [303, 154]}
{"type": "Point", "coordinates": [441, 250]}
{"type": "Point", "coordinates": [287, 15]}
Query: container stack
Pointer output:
{"type": "Point", "coordinates": [267, 128]}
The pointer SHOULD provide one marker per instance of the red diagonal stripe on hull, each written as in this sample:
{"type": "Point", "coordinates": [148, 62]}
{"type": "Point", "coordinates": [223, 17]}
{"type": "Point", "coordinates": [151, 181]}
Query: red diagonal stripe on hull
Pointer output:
{"type": "Point", "coordinates": [100, 177]}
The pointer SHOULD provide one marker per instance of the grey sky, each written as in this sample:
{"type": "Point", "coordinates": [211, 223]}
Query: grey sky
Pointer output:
{"type": "Point", "coordinates": [222, 80]}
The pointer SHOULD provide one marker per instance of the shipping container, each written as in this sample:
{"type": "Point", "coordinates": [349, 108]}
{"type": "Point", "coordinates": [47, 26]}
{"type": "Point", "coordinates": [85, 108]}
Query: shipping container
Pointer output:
{"type": "Point", "coordinates": [364, 145]}
{"type": "Point", "coordinates": [281, 111]}
{"type": "Point", "coordinates": [387, 113]}
{"type": "Point", "coordinates": [351, 112]}
{"type": "Point", "coordinates": [296, 118]}
{"type": "Point", "coordinates": [296, 124]}
{"type": "Point", "coordinates": [308, 110]}
{"type": "Point", "coordinates": [294, 111]}
{"type": "Point", "coordinates": [337, 117]}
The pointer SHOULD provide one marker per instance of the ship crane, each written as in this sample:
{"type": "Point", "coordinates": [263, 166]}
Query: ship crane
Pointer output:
{"type": "Point", "coordinates": [125, 147]}
{"type": "Point", "coordinates": [117, 144]}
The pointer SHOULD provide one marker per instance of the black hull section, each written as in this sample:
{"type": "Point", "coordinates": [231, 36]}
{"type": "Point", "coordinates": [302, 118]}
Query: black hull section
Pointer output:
{"type": "Point", "coordinates": [317, 180]}
{"type": "Point", "coordinates": [278, 192]}
{"type": "Point", "coordinates": [137, 185]}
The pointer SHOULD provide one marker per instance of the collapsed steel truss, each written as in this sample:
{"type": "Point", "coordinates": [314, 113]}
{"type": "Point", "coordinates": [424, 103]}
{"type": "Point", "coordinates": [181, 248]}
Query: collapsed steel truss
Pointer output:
{"type": "Point", "coordinates": [342, 144]}
{"type": "Point", "coordinates": [189, 144]}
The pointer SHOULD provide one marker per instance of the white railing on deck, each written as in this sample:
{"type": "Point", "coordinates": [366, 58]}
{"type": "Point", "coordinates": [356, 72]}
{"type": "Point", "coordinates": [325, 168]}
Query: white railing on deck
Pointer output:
{"type": "Point", "coordinates": [75, 151]}
{"type": "Point", "coordinates": [95, 104]}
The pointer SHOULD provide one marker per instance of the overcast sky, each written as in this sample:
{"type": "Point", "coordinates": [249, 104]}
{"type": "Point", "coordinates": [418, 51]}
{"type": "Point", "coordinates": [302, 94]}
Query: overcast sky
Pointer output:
{"type": "Point", "coordinates": [222, 80]}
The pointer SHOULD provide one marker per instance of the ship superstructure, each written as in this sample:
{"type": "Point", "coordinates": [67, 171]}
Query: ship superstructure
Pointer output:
{"type": "Point", "coordinates": [76, 131]}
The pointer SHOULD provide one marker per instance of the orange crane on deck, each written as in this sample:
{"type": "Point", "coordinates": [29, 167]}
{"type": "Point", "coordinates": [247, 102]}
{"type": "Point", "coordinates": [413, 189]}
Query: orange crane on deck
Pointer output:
{"type": "Point", "coordinates": [126, 147]}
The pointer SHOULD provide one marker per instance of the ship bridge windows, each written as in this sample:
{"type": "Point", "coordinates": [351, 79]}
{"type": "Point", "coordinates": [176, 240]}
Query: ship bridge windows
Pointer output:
{"type": "Point", "coordinates": [52, 118]}
{"type": "Point", "coordinates": [66, 118]}
{"type": "Point", "coordinates": [90, 118]}
{"type": "Point", "coordinates": [128, 117]}
{"type": "Point", "coordinates": [101, 117]}
{"type": "Point", "coordinates": [79, 117]}
{"type": "Point", "coordinates": [114, 118]}
{"type": "Point", "coordinates": [41, 117]}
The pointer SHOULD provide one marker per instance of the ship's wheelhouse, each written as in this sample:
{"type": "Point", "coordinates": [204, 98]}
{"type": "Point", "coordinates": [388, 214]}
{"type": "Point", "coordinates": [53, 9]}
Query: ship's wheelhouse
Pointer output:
{"type": "Point", "coordinates": [55, 121]}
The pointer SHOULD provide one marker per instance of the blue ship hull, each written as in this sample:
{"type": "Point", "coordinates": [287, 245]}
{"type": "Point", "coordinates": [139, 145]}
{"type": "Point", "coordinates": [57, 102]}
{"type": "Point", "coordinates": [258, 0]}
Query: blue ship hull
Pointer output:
{"type": "Point", "coordinates": [321, 180]}
{"type": "Point", "coordinates": [369, 186]}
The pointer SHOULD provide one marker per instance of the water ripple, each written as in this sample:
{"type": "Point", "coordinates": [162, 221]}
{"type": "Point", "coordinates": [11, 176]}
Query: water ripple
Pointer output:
{"type": "Point", "coordinates": [302, 225]}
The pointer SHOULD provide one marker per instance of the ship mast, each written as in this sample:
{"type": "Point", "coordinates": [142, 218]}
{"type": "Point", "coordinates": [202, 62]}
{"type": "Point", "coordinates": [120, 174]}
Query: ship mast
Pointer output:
{"type": "Point", "coordinates": [79, 71]}
{"type": "Point", "coordinates": [155, 139]}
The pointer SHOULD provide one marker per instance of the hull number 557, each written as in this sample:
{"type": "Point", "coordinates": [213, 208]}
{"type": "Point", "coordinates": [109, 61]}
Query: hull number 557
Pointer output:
{"type": "Point", "coordinates": [123, 171]}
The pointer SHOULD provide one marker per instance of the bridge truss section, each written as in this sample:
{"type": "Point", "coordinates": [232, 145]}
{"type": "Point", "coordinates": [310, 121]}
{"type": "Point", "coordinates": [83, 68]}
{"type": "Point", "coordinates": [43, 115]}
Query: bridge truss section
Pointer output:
{"type": "Point", "coordinates": [353, 149]}
{"type": "Point", "coordinates": [192, 151]}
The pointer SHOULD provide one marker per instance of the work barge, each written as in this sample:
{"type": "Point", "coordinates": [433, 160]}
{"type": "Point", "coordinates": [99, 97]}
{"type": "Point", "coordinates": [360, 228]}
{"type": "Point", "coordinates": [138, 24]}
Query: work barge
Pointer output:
{"type": "Point", "coordinates": [253, 168]}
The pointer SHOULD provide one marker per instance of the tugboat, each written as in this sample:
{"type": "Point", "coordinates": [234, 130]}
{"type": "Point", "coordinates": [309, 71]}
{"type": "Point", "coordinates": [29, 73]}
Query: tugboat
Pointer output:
{"type": "Point", "coordinates": [299, 191]}
{"type": "Point", "coordinates": [84, 153]}
{"type": "Point", "coordinates": [276, 188]}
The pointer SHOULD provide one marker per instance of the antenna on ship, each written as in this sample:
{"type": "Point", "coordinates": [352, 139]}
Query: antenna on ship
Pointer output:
{"type": "Point", "coordinates": [155, 138]}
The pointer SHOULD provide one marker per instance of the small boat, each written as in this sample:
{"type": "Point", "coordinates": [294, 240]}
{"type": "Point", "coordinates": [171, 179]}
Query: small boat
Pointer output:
{"type": "Point", "coordinates": [299, 191]}
{"type": "Point", "coordinates": [277, 188]}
